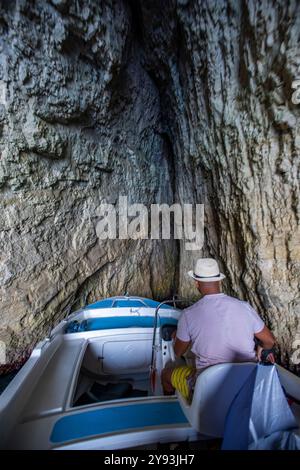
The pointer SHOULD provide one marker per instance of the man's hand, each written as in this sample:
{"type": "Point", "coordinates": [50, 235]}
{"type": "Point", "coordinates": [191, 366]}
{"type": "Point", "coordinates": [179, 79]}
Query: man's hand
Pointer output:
{"type": "Point", "coordinates": [269, 358]}
{"type": "Point", "coordinates": [267, 342]}
{"type": "Point", "coordinates": [267, 355]}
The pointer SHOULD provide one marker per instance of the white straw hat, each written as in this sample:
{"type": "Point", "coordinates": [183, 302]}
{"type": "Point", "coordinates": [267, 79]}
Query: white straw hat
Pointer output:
{"type": "Point", "coordinates": [206, 270]}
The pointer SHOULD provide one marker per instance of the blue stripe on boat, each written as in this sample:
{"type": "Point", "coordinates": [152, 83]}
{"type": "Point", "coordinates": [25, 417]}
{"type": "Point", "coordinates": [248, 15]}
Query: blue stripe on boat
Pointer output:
{"type": "Point", "coordinates": [107, 323]}
{"type": "Point", "coordinates": [120, 303]}
{"type": "Point", "coordinates": [116, 419]}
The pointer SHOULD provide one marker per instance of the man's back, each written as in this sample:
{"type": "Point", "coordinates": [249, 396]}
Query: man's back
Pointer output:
{"type": "Point", "coordinates": [221, 329]}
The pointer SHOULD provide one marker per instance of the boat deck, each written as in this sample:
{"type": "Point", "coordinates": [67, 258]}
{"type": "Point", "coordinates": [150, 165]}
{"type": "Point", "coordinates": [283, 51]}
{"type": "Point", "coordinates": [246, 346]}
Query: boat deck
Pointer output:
{"type": "Point", "coordinates": [51, 420]}
{"type": "Point", "coordinates": [51, 393]}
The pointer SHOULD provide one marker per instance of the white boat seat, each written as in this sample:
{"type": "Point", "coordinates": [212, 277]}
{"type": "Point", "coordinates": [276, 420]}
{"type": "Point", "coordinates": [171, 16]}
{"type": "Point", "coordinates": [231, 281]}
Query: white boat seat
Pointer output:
{"type": "Point", "coordinates": [214, 391]}
{"type": "Point", "coordinates": [289, 381]}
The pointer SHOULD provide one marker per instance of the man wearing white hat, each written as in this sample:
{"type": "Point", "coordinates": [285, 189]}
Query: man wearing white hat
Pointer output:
{"type": "Point", "coordinates": [219, 328]}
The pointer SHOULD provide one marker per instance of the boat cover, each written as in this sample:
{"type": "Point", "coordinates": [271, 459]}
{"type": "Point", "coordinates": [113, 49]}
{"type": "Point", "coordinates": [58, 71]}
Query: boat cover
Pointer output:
{"type": "Point", "coordinates": [260, 416]}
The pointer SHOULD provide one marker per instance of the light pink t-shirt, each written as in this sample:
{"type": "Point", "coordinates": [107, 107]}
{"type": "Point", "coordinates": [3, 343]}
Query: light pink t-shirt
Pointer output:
{"type": "Point", "coordinates": [221, 329]}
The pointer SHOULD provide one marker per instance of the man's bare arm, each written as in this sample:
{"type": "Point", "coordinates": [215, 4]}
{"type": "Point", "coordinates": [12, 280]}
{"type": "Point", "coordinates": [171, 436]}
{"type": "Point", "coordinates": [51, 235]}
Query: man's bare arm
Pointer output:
{"type": "Point", "coordinates": [266, 338]}
{"type": "Point", "coordinates": [266, 341]}
{"type": "Point", "coordinates": [180, 347]}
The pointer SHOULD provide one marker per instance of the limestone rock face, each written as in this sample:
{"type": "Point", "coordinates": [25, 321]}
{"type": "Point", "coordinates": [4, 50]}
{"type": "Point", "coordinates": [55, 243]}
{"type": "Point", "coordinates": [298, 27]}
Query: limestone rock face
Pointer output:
{"type": "Point", "coordinates": [80, 125]}
{"type": "Point", "coordinates": [175, 101]}
{"type": "Point", "coordinates": [226, 73]}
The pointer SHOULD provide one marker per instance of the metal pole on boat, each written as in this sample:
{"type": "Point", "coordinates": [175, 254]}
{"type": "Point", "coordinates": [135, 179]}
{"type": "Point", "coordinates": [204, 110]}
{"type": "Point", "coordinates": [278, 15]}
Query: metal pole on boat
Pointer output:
{"type": "Point", "coordinates": [154, 346]}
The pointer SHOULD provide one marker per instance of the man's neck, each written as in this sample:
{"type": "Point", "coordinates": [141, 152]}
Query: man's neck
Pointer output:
{"type": "Point", "coordinates": [211, 293]}
{"type": "Point", "coordinates": [209, 288]}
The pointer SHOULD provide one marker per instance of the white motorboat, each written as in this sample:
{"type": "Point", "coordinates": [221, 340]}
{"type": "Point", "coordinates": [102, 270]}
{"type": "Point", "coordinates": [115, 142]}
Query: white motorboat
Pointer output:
{"type": "Point", "coordinates": [88, 386]}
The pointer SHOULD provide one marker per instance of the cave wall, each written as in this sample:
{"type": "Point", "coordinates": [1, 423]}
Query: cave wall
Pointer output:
{"type": "Point", "coordinates": [225, 71]}
{"type": "Point", "coordinates": [80, 125]}
{"type": "Point", "coordinates": [175, 101]}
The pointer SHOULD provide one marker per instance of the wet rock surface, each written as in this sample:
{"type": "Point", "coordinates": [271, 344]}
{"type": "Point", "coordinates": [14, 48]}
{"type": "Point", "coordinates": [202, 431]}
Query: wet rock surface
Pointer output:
{"type": "Point", "coordinates": [188, 102]}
